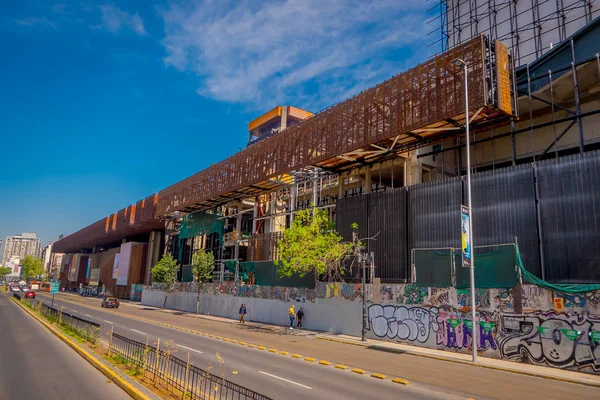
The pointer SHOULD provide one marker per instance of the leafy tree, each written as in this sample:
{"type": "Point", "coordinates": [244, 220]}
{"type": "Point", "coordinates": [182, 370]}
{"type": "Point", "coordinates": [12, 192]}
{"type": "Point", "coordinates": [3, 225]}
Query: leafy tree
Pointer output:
{"type": "Point", "coordinates": [32, 267]}
{"type": "Point", "coordinates": [311, 245]}
{"type": "Point", "coordinates": [203, 265]}
{"type": "Point", "coordinates": [4, 271]}
{"type": "Point", "coordinates": [165, 271]}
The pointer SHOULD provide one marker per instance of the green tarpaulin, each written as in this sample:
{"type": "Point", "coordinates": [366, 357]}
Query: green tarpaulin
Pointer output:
{"type": "Point", "coordinates": [493, 269]}
{"type": "Point", "coordinates": [201, 223]}
{"type": "Point", "coordinates": [265, 273]}
{"type": "Point", "coordinates": [433, 268]}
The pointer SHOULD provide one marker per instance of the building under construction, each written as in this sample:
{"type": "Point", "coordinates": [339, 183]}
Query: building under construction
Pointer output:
{"type": "Point", "coordinates": [392, 160]}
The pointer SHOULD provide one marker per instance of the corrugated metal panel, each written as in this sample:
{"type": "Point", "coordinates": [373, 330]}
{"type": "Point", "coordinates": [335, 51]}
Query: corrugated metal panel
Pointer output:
{"type": "Point", "coordinates": [504, 207]}
{"type": "Point", "coordinates": [348, 211]}
{"type": "Point", "coordinates": [569, 201]}
{"type": "Point", "coordinates": [387, 223]}
{"type": "Point", "coordinates": [434, 214]}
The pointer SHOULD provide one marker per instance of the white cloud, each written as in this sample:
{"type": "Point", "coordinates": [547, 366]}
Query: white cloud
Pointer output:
{"type": "Point", "coordinates": [36, 22]}
{"type": "Point", "coordinates": [59, 8]}
{"type": "Point", "coordinates": [286, 50]}
{"type": "Point", "coordinates": [114, 19]}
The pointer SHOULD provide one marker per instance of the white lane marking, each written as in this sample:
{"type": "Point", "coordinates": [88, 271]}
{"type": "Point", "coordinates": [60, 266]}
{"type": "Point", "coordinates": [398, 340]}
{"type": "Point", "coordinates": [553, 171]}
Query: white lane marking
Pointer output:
{"type": "Point", "coordinates": [138, 332]}
{"type": "Point", "coordinates": [187, 348]}
{"type": "Point", "coordinates": [74, 310]}
{"type": "Point", "coordinates": [88, 315]}
{"type": "Point", "coordinates": [285, 380]}
{"type": "Point", "coordinates": [108, 322]}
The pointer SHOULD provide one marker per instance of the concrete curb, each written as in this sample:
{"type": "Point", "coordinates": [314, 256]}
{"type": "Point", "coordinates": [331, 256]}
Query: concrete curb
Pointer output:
{"type": "Point", "coordinates": [453, 360]}
{"type": "Point", "coordinates": [110, 374]}
{"type": "Point", "coordinates": [492, 367]}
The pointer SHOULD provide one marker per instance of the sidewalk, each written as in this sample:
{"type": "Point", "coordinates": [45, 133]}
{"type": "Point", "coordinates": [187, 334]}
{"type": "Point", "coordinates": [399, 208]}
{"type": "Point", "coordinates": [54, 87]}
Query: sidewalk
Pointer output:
{"type": "Point", "coordinates": [394, 347]}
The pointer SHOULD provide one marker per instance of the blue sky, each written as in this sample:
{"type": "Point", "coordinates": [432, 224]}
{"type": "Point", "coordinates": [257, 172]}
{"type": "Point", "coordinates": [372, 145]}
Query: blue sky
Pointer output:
{"type": "Point", "coordinates": [103, 103]}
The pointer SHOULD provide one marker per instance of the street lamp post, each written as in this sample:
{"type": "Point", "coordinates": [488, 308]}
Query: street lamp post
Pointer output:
{"type": "Point", "coordinates": [463, 64]}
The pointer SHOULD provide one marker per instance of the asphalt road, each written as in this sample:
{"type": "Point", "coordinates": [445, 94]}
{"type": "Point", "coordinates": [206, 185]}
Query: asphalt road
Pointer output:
{"type": "Point", "coordinates": [271, 374]}
{"type": "Point", "coordinates": [34, 364]}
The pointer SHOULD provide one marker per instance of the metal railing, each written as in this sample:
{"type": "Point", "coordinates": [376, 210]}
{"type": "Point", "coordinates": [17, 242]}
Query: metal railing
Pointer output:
{"type": "Point", "coordinates": [177, 375]}
{"type": "Point", "coordinates": [85, 328]}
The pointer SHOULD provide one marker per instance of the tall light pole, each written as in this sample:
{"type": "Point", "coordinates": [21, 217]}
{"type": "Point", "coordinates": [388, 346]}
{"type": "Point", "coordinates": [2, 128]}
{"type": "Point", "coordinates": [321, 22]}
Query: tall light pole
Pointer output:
{"type": "Point", "coordinates": [463, 64]}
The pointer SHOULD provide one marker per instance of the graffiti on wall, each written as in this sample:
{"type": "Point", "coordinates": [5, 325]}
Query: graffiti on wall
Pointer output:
{"type": "Point", "coordinates": [504, 299]}
{"type": "Point", "coordinates": [565, 337]}
{"type": "Point", "coordinates": [412, 295]}
{"type": "Point", "coordinates": [391, 322]}
{"type": "Point", "coordinates": [449, 330]}
{"type": "Point", "coordinates": [544, 338]}
{"type": "Point", "coordinates": [550, 338]}
{"type": "Point", "coordinates": [440, 296]}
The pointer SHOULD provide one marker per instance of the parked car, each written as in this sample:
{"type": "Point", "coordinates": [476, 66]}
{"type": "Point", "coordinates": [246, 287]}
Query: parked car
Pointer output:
{"type": "Point", "coordinates": [110, 302]}
{"type": "Point", "coordinates": [30, 294]}
{"type": "Point", "coordinates": [14, 289]}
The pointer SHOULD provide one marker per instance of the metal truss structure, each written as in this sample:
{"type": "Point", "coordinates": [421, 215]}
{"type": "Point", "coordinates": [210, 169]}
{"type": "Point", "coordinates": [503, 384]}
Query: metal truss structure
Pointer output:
{"type": "Point", "coordinates": [413, 109]}
{"type": "Point", "coordinates": [556, 92]}
{"type": "Point", "coordinates": [528, 27]}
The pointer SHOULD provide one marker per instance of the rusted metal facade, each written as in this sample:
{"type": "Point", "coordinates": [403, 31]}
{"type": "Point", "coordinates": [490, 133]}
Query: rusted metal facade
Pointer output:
{"type": "Point", "coordinates": [136, 219]}
{"type": "Point", "coordinates": [410, 110]}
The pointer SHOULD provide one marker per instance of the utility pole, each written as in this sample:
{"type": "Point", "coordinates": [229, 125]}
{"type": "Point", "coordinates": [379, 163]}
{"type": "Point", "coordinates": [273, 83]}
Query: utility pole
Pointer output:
{"type": "Point", "coordinates": [463, 64]}
{"type": "Point", "coordinates": [363, 258]}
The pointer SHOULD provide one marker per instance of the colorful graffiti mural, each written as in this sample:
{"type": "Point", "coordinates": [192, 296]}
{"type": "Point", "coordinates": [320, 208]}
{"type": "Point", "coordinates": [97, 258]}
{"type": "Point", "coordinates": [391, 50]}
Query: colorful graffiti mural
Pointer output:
{"type": "Point", "coordinates": [549, 338]}
{"type": "Point", "coordinates": [543, 338]}
{"type": "Point", "coordinates": [522, 324]}
{"type": "Point", "coordinates": [404, 323]}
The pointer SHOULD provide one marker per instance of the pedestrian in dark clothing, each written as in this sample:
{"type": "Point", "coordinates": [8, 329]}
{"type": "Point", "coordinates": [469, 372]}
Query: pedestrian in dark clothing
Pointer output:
{"type": "Point", "coordinates": [300, 316]}
{"type": "Point", "coordinates": [242, 313]}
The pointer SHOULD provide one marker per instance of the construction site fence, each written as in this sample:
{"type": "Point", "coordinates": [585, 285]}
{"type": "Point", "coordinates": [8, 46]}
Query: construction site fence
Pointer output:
{"type": "Point", "coordinates": [176, 375]}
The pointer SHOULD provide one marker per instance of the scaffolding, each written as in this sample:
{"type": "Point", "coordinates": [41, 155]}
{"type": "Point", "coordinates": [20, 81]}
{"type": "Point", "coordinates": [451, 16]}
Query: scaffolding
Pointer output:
{"type": "Point", "coordinates": [558, 97]}
{"type": "Point", "coordinates": [529, 27]}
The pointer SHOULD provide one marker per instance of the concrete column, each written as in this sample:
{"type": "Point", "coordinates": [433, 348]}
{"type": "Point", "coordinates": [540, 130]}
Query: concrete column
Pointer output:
{"type": "Point", "coordinates": [293, 194]}
{"type": "Point", "coordinates": [254, 215]}
{"type": "Point", "coordinates": [414, 170]}
{"type": "Point", "coordinates": [367, 181]}
{"type": "Point", "coordinates": [341, 186]}
{"type": "Point", "coordinates": [238, 233]}
{"type": "Point", "coordinates": [153, 255]}
{"type": "Point", "coordinates": [284, 111]}
{"type": "Point", "coordinates": [271, 211]}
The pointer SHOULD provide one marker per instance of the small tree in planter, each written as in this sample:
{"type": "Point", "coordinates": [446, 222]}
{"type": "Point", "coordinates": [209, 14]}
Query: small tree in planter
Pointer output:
{"type": "Point", "coordinates": [311, 245]}
{"type": "Point", "coordinates": [165, 271]}
{"type": "Point", "coordinates": [203, 265]}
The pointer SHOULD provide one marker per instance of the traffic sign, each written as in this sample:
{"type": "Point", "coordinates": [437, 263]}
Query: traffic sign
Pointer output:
{"type": "Point", "coordinates": [54, 287]}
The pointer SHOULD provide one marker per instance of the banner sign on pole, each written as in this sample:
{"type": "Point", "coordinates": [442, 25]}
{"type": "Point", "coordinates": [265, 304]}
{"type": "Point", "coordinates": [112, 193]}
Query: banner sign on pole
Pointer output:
{"type": "Point", "coordinates": [465, 217]}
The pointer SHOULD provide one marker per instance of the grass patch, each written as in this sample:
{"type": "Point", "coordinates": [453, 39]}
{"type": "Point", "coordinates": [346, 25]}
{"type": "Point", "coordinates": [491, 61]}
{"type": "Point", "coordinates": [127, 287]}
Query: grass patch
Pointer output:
{"type": "Point", "coordinates": [89, 335]}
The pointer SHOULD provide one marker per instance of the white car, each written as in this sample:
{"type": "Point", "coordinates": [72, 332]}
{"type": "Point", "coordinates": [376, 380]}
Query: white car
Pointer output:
{"type": "Point", "coordinates": [24, 289]}
{"type": "Point", "coordinates": [14, 289]}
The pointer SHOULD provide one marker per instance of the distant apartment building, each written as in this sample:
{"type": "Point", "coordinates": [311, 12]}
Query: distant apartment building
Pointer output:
{"type": "Point", "coordinates": [47, 258]}
{"type": "Point", "coordinates": [21, 246]}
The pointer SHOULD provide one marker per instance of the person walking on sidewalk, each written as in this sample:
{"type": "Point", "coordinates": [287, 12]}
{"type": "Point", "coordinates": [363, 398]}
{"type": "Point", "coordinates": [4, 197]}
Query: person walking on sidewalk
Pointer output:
{"type": "Point", "coordinates": [242, 313]}
{"type": "Point", "coordinates": [300, 316]}
{"type": "Point", "coordinates": [292, 315]}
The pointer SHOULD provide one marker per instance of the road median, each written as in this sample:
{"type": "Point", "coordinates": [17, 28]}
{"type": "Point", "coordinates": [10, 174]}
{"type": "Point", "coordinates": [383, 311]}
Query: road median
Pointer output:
{"type": "Point", "coordinates": [130, 389]}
